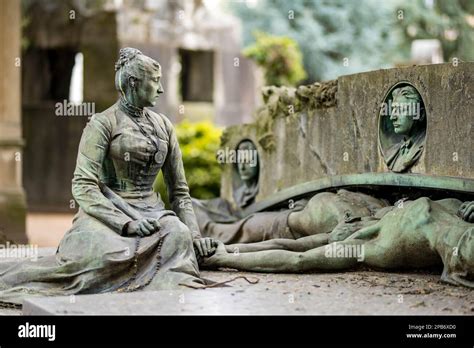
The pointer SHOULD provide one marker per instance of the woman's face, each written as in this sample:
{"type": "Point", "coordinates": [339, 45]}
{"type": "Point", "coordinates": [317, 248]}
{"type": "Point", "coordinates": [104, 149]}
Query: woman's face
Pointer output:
{"type": "Point", "coordinates": [247, 164]}
{"type": "Point", "coordinates": [149, 88]}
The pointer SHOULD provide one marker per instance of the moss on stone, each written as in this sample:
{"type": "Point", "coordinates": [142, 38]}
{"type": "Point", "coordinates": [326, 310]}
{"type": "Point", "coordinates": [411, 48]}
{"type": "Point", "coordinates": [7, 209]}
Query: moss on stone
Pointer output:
{"type": "Point", "coordinates": [289, 102]}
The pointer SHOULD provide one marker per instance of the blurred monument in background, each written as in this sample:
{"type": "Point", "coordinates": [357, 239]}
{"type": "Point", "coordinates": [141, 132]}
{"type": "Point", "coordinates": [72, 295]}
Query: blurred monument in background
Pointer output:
{"type": "Point", "coordinates": [12, 196]}
{"type": "Point", "coordinates": [426, 52]}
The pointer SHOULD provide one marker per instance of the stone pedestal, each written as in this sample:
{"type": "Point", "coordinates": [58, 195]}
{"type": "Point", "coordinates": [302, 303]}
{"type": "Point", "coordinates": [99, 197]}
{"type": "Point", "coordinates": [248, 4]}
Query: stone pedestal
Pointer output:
{"type": "Point", "coordinates": [12, 196]}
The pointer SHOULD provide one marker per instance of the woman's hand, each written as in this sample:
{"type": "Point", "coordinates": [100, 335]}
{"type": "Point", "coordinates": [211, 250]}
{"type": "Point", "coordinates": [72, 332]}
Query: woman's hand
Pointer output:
{"type": "Point", "coordinates": [205, 246]}
{"type": "Point", "coordinates": [212, 260]}
{"type": "Point", "coordinates": [466, 211]}
{"type": "Point", "coordinates": [143, 227]}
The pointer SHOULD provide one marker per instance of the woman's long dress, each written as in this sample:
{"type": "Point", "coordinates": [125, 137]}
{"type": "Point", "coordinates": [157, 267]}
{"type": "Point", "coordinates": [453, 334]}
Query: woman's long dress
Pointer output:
{"type": "Point", "coordinates": [94, 256]}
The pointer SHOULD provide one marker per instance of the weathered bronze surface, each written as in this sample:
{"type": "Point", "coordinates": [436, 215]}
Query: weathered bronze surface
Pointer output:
{"type": "Point", "coordinates": [402, 127]}
{"type": "Point", "coordinates": [122, 238]}
{"type": "Point", "coordinates": [218, 218]}
{"type": "Point", "coordinates": [415, 234]}
{"type": "Point", "coordinates": [246, 183]}
{"type": "Point", "coordinates": [384, 220]}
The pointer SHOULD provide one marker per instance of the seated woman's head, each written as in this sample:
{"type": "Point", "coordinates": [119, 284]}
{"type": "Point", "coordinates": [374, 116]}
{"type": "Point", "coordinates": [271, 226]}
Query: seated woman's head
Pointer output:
{"type": "Point", "coordinates": [137, 78]}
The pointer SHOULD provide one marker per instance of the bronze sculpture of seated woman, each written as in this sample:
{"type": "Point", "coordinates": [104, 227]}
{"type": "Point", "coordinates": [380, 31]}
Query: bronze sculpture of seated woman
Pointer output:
{"type": "Point", "coordinates": [122, 238]}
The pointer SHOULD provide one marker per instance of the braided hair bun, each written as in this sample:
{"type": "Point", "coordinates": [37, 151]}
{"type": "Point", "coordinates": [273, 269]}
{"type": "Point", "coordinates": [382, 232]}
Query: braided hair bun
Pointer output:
{"type": "Point", "coordinates": [132, 63]}
{"type": "Point", "coordinates": [126, 55]}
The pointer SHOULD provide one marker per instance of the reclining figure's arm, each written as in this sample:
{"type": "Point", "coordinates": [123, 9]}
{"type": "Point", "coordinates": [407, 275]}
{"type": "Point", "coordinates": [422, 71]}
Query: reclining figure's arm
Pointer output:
{"type": "Point", "coordinates": [301, 244]}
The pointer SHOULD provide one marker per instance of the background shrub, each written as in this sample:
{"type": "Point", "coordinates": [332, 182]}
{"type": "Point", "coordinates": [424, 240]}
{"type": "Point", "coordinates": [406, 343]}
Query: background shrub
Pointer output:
{"type": "Point", "coordinates": [199, 143]}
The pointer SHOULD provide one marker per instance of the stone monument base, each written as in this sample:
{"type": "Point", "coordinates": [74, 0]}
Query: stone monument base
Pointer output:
{"type": "Point", "coordinates": [350, 293]}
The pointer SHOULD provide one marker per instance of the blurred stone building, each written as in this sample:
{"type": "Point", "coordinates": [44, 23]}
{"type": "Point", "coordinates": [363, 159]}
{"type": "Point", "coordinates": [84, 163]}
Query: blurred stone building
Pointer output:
{"type": "Point", "coordinates": [12, 195]}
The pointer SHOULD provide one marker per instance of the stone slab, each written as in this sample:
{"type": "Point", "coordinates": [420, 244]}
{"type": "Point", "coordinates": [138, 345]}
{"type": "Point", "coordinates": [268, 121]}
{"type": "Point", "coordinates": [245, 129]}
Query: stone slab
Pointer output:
{"type": "Point", "coordinates": [350, 293]}
{"type": "Point", "coordinates": [353, 293]}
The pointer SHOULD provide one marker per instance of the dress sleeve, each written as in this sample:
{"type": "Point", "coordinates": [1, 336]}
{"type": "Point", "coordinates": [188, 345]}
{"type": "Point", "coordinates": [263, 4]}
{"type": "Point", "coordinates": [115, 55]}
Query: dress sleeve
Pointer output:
{"type": "Point", "coordinates": [175, 180]}
{"type": "Point", "coordinates": [85, 185]}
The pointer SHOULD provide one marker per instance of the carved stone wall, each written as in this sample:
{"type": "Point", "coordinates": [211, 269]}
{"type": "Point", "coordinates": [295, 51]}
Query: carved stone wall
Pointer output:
{"type": "Point", "coordinates": [332, 128]}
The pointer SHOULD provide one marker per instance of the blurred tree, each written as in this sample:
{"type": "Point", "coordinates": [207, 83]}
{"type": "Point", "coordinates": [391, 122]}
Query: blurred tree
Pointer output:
{"type": "Point", "coordinates": [199, 143]}
{"type": "Point", "coordinates": [337, 37]}
{"type": "Point", "coordinates": [450, 21]}
{"type": "Point", "coordinates": [279, 56]}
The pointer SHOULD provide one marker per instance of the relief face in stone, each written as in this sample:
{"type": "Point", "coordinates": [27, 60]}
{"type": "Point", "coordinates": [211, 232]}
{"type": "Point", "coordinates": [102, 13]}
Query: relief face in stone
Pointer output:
{"type": "Point", "coordinates": [246, 173]}
{"type": "Point", "coordinates": [402, 127]}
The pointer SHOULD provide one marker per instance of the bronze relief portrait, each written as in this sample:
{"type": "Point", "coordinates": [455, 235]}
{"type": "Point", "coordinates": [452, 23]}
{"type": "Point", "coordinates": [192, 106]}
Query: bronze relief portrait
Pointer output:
{"type": "Point", "coordinates": [402, 127]}
{"type": "Point", "coordinates": [245, 173]}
